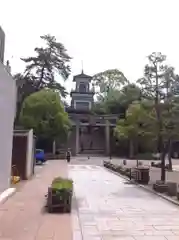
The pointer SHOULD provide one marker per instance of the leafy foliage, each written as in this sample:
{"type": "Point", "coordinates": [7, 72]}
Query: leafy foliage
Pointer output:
{"type": "Point", "coordinates": [41, 71]}
{"type": "Point", "coordinates": [60, 183]}
{"type": "Point", "coordinates": [159, 121]}
{"type": "Point", "coordinates": [118, 103]}
{"type": "Point", "coordinates": [26, 85]}
{"type": "Point", "coordinates": [49, 61]}
{"type": "Point", "coordinates": [136, 123]}
{"type": "Point", "coordinates": [170, 117]}
{"type": "Point", "coordinates": [109, 82]}
{"type": "Point", "coordinates": [154, 74]}
{"type": "Point", "coordinates": [44, 112]}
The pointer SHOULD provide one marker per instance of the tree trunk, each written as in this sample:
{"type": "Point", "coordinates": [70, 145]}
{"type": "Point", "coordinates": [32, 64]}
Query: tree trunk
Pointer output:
{"type": "Point", "coordinates": [169, 113]}
{"type": "Point", "coordinates": [131, 149]}
{"type": "Point", "coordinates": [137, 163]}
{"type": "Point", "coordinates": [163, 155]}
{"type": "Point", "coordinates": [160, 141]}
{"type": "Point", "coordinates": [137, 151]}
{"type": "Point", "coordinates": [169, 155]}
{"type": "Point", "coordinates": [41, 78]}
{"type": "Point", "coordinates": [54, 147]}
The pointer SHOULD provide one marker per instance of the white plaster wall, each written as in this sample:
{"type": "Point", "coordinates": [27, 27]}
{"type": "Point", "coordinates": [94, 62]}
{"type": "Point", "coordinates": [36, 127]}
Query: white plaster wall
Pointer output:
{"type": "Point", "coordinates": [7, 115]}
{"type": "Point", "coordinates": [30, 154]}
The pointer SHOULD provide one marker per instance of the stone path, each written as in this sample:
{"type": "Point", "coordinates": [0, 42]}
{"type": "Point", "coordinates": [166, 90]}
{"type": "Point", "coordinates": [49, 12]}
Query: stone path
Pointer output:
{"type": "Point", "coordinates": [23, 217]}
{"type": "Point", "coordinates": [105, 208]}
{"type": "Point", "coordinates": [111, 209]}
{"type": "Point", "coordinates": [155, 173]}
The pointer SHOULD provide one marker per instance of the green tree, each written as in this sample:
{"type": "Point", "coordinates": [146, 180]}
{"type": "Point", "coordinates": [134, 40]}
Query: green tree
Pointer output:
{"type": "Point", "coordinates": [129, 94]}
{"type": "Point", "coordinates": [171, 110]}
{"type": "Point", "coordinates": [152, 87]}
{"type": "Point", "coordinates": [109, 82]}
{"type": "Point", "coordinates": [50, 61]}
{"type": "Point", "coordinates": [99, 107]}
{"type": "Point", "coordinates": [160, 84]}
{"type": "Point", "coordinates": [137, 123]}
{"type": "Point", "coordinates": [44, 112]}
{"type": "Point", "coordinates": [26, 85]}
{"type": "Point", "coordinates": [170, 119]}
{"type": "Point", "coordinates": [118, 103]}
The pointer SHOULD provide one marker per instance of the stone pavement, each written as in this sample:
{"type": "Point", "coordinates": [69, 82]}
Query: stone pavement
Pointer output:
{"type": "Point", "coordinates": [111, 209]}
{"type": "Point", "coordinates": [93, 160]}
{"type": "Point", "coordinates": [23, 217]}
{"type": "Point", "coordinates": [155, 173]}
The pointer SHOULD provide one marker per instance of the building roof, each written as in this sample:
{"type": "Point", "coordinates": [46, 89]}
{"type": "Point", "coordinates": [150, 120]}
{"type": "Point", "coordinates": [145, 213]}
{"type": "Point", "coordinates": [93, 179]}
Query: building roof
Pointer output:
{"type": "Point", "coordinates": [82, 75]}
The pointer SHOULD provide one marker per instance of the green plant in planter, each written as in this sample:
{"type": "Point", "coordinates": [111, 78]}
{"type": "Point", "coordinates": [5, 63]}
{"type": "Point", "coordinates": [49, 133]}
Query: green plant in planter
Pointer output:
{"type": "Point", "coordinates": [127, 171]}
{"type": "Point", "coordinates": [60, 194]}
{"type": "Point", "coordinates": [62, 183]}
{"type": "Point", "coordinates": [118, 169]}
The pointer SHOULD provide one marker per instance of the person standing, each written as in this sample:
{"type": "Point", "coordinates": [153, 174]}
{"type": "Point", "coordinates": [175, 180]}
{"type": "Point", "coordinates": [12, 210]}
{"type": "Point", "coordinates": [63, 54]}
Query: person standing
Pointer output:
{"type": "Point", "coordinates": [68, 155]}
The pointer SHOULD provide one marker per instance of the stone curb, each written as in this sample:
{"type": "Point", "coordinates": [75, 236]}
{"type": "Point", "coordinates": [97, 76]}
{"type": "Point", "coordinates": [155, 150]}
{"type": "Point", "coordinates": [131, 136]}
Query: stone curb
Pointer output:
{"type": "Point", "coordinates": [145, 188]}
{"type": "Point", "coordinates": [6, 194]}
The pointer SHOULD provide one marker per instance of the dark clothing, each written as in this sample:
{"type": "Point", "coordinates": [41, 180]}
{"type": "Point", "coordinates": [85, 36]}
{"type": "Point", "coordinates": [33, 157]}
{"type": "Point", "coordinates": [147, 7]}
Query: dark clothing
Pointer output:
{"type": "Point", "coordinates": [68, 156]}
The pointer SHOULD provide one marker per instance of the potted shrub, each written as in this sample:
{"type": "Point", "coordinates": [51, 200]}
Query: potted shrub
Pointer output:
{"type": "Point", "coordinates": [107, 164]}
{"type": "Point", "coordinates": [118, 169]}
{"type": "Point", "coordinates": [60, 195]}
{"type": "Point", "coordinates": [123, 171]}
{"type": "Point", "coordinates": [126, 171]}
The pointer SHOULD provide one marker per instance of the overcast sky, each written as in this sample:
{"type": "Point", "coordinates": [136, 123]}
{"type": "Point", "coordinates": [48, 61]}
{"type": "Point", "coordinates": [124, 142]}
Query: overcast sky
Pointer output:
{"type": "Point", "coordinates": [104, 34]}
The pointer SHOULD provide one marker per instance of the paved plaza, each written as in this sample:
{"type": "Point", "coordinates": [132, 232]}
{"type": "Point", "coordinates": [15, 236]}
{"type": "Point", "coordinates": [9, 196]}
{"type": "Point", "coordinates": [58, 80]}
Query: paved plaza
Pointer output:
{"type": "Point", "coordinates": [23, 217]}
{"type": "Point", "coordinates": [105, 207]}
{"type": "Point", "coordinates": [109, 208]}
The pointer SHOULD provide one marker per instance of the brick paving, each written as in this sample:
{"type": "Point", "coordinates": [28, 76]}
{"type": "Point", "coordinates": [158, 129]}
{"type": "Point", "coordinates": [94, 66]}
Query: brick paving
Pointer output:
{"type": "Point", "coordinates": [111, 209]}
{"type": "Point", "coordinates": [23, 216]}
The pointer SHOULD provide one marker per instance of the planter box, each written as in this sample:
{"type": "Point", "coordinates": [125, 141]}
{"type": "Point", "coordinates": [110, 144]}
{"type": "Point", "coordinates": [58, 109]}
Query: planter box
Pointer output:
{"type": "Point", "coordinates": [107, 164]}
{"type": "Point", "coordinates": [160, 187]}
{"type": "Point", "coordinates": [127, 172]}
{"type": "Point", "coordinates": [178, 195]}
{"type": "Point", "coordinates": [118, 169]}
{"type": "Point", "coordinates": [141, 175]}
{"type": "Point", "coordinates": [113, 167]}
{"type": "Point", "coordinates": [122, 171]}
{"type": "Point", "coordinates": [59, 200]}
{"type": "Point", "coordinates": [172, 188]}
{"type": "Point", "coordinates": [132, 174]}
